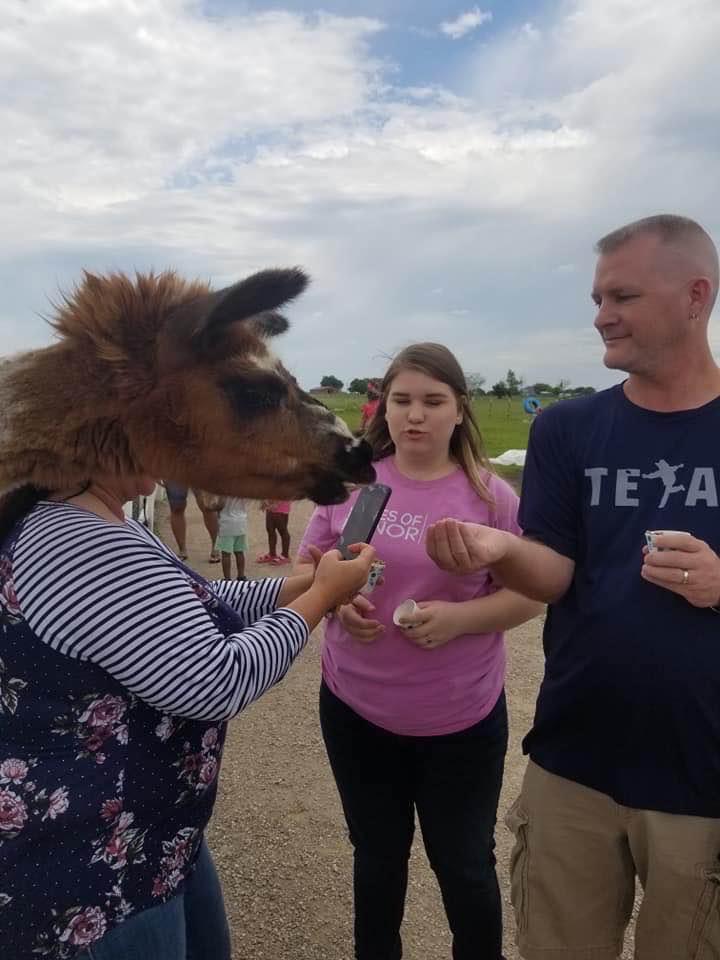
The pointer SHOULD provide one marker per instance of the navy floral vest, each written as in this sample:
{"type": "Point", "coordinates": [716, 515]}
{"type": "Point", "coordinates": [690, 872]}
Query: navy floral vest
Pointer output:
{"type": "Point", "coordinates": [103, 799]}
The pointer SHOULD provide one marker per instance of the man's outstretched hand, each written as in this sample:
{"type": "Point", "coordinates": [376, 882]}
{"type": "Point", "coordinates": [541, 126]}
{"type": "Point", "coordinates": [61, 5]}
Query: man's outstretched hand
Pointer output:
{"type": "Point", "coordinates": [462, 548]}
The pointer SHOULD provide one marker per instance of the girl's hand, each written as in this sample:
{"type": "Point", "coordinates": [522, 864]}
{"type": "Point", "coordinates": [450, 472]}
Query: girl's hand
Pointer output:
{"type": "Point", "coordinates": [355, 619]}
{"type": "Point", "coordinates": [435, 623]}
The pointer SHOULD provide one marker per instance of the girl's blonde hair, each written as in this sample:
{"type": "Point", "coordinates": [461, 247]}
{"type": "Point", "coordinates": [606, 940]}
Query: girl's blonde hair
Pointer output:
{"type": "Point", "coordinates": [466, 443]}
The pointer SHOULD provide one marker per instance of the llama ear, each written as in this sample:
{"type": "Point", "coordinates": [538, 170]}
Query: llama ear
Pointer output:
{"type": "Point", "coordinates": [256, 297]}
{"type": "Point", "coordinates": [270, 324]}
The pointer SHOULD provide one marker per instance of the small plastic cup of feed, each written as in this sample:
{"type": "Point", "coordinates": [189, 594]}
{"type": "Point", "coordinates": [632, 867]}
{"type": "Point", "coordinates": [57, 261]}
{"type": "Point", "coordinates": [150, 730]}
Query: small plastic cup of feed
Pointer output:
{"type": "Point", "coordinates": [402, 615]}
{"type": "Point", "coordinates": [651, 534]}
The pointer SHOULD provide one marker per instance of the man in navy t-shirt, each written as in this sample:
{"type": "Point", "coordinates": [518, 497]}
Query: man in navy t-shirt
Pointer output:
{"type": "Point", "coordinates": [624, 771]}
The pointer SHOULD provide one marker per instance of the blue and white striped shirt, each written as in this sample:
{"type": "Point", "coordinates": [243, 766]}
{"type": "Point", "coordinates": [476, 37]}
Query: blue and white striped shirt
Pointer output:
{"type": "Point", "coordinates": [118, 668]}
{"type": "Point", "coordinates": [115, 595]}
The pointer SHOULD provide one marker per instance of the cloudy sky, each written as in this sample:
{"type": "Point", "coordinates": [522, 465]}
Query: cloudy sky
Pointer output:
{"type": "Point", "coordinates": [441, 169]}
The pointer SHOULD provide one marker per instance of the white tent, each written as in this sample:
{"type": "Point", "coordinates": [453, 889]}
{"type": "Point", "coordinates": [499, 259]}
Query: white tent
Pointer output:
{"type": "Point", "coordinates": [511, 458]}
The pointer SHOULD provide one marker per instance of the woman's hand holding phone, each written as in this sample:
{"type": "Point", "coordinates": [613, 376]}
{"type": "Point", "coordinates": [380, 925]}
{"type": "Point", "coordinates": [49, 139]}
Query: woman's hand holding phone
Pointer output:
{"type": "Point", "coordinates": [336, 582]}
{"type": "Point", "coordinates": [343, 579]}
{"type": "Point", "coordinates": [297, 583]}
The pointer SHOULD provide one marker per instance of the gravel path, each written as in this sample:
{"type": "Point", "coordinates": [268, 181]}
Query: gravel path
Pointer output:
{"type": "Point", "coordinates": [278, 833]}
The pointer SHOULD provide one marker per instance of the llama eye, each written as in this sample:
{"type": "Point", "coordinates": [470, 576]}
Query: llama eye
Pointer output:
{"type": "Point", "coordinates": [252, 396]}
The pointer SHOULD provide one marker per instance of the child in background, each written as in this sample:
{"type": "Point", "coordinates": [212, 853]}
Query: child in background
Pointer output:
{"type": "Point", "coordinates": [232, 536]}
{"type": "Point", "coordinates": [367, 411]}
{"type": "Point", "coordinates": [277, 514]}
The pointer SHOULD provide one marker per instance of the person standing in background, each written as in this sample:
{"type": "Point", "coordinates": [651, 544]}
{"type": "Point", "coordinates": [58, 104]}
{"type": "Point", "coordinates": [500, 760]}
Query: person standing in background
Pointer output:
{"type": "Point", "coordinates": [232, 536]}
{"type": "Point", "coordinates": [177, 499]}
{"type": "Point", "coordinates": [277, 516]}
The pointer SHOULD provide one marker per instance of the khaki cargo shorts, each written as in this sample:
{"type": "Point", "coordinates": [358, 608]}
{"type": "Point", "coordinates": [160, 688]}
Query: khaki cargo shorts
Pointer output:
{"type": "Point", "coordinates": [573, 868]}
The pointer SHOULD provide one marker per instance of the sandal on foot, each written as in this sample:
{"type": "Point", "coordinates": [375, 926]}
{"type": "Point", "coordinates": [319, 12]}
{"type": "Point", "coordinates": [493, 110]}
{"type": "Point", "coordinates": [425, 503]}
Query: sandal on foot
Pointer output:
{"type": "Point", "coordinates": [265, 558]}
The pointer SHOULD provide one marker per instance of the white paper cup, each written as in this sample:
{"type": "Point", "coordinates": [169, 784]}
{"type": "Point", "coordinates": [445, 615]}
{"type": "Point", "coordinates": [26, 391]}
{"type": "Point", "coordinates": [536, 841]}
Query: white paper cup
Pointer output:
{"type": "Point", "coordinates": [651, 534]}
{"type": "Point", "coordinates": [404, 613]}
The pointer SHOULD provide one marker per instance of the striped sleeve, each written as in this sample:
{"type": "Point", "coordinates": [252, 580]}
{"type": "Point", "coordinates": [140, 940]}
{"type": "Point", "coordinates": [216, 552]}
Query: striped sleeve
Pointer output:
{"type": "Point", "coordinates": [105, 593]}
{"type": "Point", "coordinates": [250, 599]}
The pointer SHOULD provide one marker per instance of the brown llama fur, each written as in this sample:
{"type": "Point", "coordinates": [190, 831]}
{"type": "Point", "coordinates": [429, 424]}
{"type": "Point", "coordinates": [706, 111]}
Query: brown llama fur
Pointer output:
{"type": "Point", "coordinates": [160, 376]}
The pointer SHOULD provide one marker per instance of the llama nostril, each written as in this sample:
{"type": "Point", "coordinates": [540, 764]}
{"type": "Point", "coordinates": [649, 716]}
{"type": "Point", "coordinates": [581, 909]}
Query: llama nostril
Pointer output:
{"type": "Point", "coordinates": [352, 443]}
{"type": "Point", "coordinates": [352, 465]}
{"type": "Point", "coordinates": [355, 461]}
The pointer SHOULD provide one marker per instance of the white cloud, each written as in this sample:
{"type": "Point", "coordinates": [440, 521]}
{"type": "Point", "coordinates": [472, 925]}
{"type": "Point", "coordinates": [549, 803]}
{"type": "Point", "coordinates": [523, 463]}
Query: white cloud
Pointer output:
{"type": "Point", "coordinates": [147, 134]}
{"type": "Point", "coordinates": [111, 99]}
{"type": "Point", "coordinates": [465, 23]}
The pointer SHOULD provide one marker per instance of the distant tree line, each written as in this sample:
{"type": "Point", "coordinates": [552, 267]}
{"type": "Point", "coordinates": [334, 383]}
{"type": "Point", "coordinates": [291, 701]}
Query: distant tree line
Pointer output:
{"type": "Point", "coordinates": [511, 386]}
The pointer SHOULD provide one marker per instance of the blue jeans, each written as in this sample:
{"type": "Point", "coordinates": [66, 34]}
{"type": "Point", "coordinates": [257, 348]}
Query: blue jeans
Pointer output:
{"type": "Point", "coordinates": [453, 781]}
{"type": "Point", "coordinates": [191, 926]}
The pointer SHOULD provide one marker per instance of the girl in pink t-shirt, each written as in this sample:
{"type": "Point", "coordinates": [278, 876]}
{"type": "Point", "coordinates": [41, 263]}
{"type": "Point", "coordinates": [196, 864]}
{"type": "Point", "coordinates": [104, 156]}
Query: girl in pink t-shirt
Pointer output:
{"type": "Point", "coordinates": [414, 717]}
{"type": "Point", "coordinates": [368, 410]}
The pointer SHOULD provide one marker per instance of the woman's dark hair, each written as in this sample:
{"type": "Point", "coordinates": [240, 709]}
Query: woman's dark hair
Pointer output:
{"type": "Point", "coordinates": [15, 504]}
{"type": "Point", "coordinates": [466, 444]}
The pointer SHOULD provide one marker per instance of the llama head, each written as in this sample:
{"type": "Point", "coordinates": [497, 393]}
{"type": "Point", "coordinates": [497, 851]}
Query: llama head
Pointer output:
{"type": "Point", "coordinates": [163, 377]}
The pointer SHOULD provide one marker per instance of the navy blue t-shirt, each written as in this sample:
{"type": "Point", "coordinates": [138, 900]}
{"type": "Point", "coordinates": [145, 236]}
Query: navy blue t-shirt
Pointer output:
{"type": "Point", "coordinates": [630, 701]}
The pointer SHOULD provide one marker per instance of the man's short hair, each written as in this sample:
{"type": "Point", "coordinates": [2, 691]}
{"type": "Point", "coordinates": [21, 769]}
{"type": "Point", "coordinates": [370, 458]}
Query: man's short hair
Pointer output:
{"type": "Point", "coordinates": [668, 227]}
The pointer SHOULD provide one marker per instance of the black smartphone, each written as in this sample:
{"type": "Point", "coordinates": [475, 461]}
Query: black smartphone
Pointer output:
{"type": "Point", "coordinates": [364, 518]}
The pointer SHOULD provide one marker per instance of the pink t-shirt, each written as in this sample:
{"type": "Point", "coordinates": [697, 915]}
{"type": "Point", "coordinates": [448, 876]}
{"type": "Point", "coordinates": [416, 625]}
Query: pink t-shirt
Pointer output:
{"type": "Point", "coordinates": [392, 682]}
{"type": "Point", "coordinates": [368, 409]}
{"type": "Point", "coordinates": [276, 506]}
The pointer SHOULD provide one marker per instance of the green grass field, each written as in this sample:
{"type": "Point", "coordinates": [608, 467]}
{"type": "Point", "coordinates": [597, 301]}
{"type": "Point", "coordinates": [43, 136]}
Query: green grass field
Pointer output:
{"type": "Point", "coordinates": [504, 425]}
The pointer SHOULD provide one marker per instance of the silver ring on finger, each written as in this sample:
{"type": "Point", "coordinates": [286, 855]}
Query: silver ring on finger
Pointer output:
{"type": "Point", "coordinates": [685, 577]}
